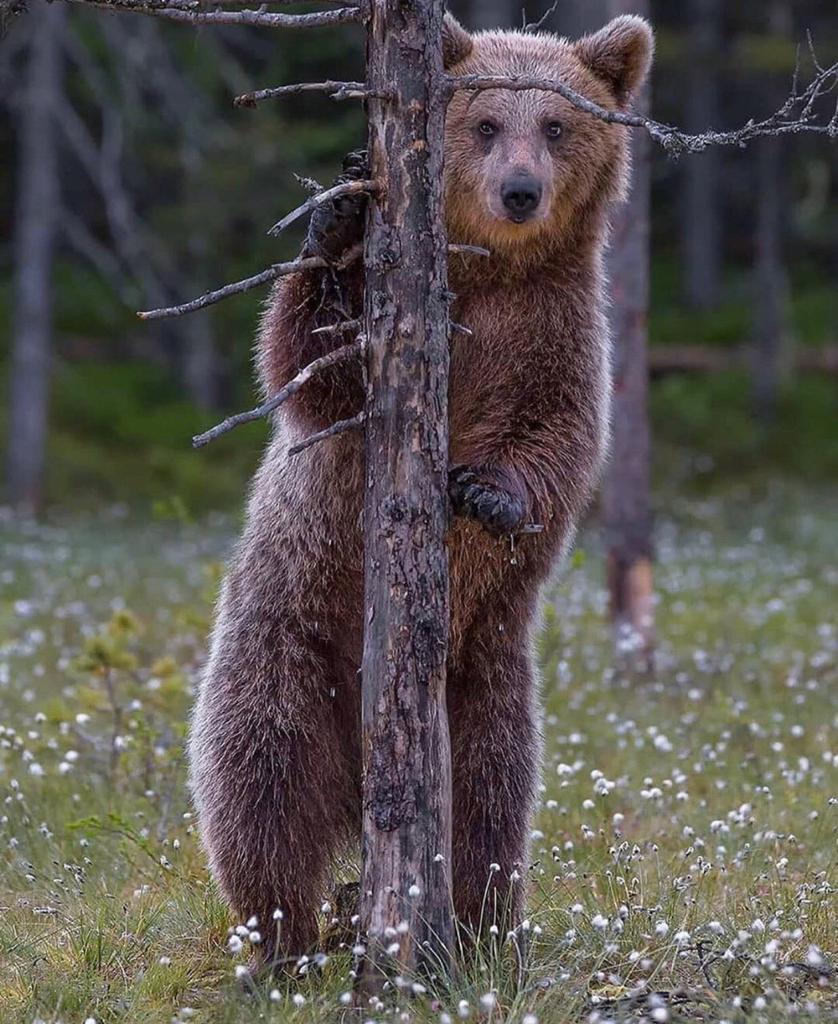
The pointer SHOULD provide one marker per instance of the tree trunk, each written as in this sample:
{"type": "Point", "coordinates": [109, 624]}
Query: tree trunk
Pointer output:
{"type": "Point", "coordinates": [406, 750]}
{"type": "Point", "coordinates": [772, 339]}
{"type": "Point", "coordinates": [626, 497]}
{"type": "Point", "coordinates": [200, 360]}
{"type": "Point", "coordinates": [36, 228]}
{"type": "Point", "coordinates": [771, 288]}
{"type": "Point", "coordinates": [701, 227]}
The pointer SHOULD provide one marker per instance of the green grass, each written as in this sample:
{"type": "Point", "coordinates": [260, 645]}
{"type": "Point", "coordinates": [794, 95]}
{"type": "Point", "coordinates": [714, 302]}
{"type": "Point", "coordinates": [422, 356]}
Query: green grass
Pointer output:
{"type": "Point", "coordinates": [684, 851]}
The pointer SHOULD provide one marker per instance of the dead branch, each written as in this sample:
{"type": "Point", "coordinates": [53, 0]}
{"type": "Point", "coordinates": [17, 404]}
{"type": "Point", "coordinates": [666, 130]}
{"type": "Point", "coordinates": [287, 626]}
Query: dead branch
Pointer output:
{"type": "Point", "coordinates": [353, 423]}
{"type": "Point", "coordinates": [347, 188]}
{"type": "Point", "coordinates": [536, 26]}
{"type": "Point", "coordinates": [339, 355]}
{"type": "Point", "coordinates": [344, 327]}
{"type": "Point", "coordinates": [297, 266]}
{"type": "Point", "coordinates": [795, 116]}
{"type": "Point", "coordinates": [263, 3]}
{"type": "Point", "coordinates": [189, 13]}
{"type": "Point", "coordinates": [336, 90]}
{"type": "Point", "coordinates": [278, 270]}
{"type": "Point", "coordinates": [209, 298]}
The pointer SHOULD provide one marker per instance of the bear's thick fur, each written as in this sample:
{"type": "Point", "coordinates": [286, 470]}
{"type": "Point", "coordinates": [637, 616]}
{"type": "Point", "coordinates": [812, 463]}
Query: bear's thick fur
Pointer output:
{"type": "Point", "coordinates": [274, 750]}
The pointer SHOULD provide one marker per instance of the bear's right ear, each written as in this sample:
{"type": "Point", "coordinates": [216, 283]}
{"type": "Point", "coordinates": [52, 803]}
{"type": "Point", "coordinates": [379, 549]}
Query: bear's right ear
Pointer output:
{"type": "Point", "coordinates": [457, 44]}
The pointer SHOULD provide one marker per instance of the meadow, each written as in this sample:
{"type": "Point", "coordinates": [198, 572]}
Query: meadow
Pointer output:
{"type": "Point", "coordinates": [684, 852]}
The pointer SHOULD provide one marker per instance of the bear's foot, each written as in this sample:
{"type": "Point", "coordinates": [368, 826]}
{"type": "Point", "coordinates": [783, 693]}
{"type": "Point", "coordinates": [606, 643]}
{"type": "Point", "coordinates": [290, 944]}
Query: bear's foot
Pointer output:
{"type": "Point", "coordinates": [478, 493]}
{"type": "Point", "coordinates": [336, 226]}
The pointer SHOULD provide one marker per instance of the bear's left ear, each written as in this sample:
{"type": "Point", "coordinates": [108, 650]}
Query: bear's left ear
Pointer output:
{"type": "Point", "coordinates": [620, 54]}
{"type": "Point", "coordinates": [457, 44]}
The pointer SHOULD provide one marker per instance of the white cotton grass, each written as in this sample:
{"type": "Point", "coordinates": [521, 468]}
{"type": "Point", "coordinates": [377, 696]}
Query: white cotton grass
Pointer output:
{"type": "Point", "coordinates": [694, 810]}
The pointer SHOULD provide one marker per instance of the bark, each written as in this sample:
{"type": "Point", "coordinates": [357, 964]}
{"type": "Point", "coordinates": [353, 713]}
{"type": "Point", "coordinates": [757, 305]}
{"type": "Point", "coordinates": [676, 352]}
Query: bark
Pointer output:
{"type": "Point", "coordinates": [36, 229]}
{"type": "Point", "coordinates": [406, 750]}
{"type": "Point", "coordinates": [701, 227]}
{"type": "Point", "coordinates": [626, 493]}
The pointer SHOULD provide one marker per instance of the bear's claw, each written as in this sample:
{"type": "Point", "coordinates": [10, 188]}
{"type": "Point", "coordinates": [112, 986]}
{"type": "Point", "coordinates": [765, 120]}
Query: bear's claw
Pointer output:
{"type": "Point", "coordinates": [474, 495]}
{"type": "Point", "coordinates": [336, 226]}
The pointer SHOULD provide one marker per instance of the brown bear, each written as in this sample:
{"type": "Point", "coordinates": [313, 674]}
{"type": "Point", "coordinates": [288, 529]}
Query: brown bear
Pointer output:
{"type": "Point", "coordinates": [275, 743]}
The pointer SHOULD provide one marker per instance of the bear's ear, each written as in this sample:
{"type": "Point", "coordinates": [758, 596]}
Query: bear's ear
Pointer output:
{"type": "Point", "coordinates": [620, 54]}
{"type": "Point", "coordinates": [456, 42]}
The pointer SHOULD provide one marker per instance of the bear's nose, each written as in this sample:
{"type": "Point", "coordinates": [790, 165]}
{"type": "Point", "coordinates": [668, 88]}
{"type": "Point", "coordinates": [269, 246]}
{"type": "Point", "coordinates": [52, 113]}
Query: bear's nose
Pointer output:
{"type": "Point", "coordinates": [521, 196]}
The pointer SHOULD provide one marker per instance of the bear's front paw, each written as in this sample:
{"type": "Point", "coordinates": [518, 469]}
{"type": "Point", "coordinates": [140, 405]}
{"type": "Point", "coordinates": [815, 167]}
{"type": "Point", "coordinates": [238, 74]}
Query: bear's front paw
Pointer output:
{"type": "Point", "coordinates": [476, 494]}
{"type": "Point", "coordinates": [336, 226]}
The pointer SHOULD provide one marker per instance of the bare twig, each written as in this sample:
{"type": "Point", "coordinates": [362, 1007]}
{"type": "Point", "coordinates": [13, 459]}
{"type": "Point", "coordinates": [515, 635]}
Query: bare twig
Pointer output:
{"type": "Point", "coordinates": [535, 26]}
{"type": "Point", "coordinates": [237, 287]}
{"type": "Point", "coordinates": [461, 249]}
{"type": "Point", "coordinates": [344, 327]}
{"type": "Point", "coordinates": [339, 355]}
{"type": "Point", "coordinates": [208, 299]}
{"type": "Point", "coordinates": [270, 274]}
{"type": "Point", "coordinates": [186, 12]}
{"type": "Point", "coordinates": [353, 423]}
{"type": "Point", "coordinates": [347, 188]}
{"type": "Point", "coordinates": [311, 185]}
{"type": "Point", "coordinates": [796, 115]}
{"type": "Point", "coordinates": [337, 91]}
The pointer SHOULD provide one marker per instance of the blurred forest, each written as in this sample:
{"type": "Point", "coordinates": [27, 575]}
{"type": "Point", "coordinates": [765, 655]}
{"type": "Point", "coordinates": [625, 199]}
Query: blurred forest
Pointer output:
{"type": "Point", "coordinates": [128, 180]}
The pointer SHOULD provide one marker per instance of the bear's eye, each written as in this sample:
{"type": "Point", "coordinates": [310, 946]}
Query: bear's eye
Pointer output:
{"type": "Point", "coordinates": [487, 128]}
{"type": "Point", "coordinates": [553, 130]}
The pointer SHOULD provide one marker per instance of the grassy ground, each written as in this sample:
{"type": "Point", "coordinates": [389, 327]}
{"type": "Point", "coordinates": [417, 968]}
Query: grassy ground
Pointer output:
{"type": "Point", "coordinates": [684, 850]}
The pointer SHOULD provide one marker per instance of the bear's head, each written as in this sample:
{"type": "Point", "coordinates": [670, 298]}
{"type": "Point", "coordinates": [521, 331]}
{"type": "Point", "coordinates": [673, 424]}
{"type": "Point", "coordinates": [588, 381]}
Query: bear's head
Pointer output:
{"type": "Point", "coordinates": [527, 165]}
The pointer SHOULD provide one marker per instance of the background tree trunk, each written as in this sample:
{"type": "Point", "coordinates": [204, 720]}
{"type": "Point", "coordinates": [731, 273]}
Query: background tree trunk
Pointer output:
{"type": "Point", "coordinates": [701, 224]}
{"type": "Point", "coordinates": [772, 335]}
{"type": "Point", "coordinates": [406, 748]}
{"type": "Point", "coordinates": [771, 287]}
{"type": "Point", "coordinates": [36, 229]}
{"type": "Point", "coordinates": [626, 494]}
{"type": "Point", "coordinates": [200, 360]}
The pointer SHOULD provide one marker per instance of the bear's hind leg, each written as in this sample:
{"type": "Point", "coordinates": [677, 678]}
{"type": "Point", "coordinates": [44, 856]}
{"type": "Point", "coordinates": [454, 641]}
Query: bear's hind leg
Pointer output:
{"type": "Point", "coordinates": [275, 783]}
{"type": "Point", "coordinates": [496, 753]}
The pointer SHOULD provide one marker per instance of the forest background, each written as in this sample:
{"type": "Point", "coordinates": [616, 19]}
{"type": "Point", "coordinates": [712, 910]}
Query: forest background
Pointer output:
{"type": "Point", "coordinates": [163, 189]}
